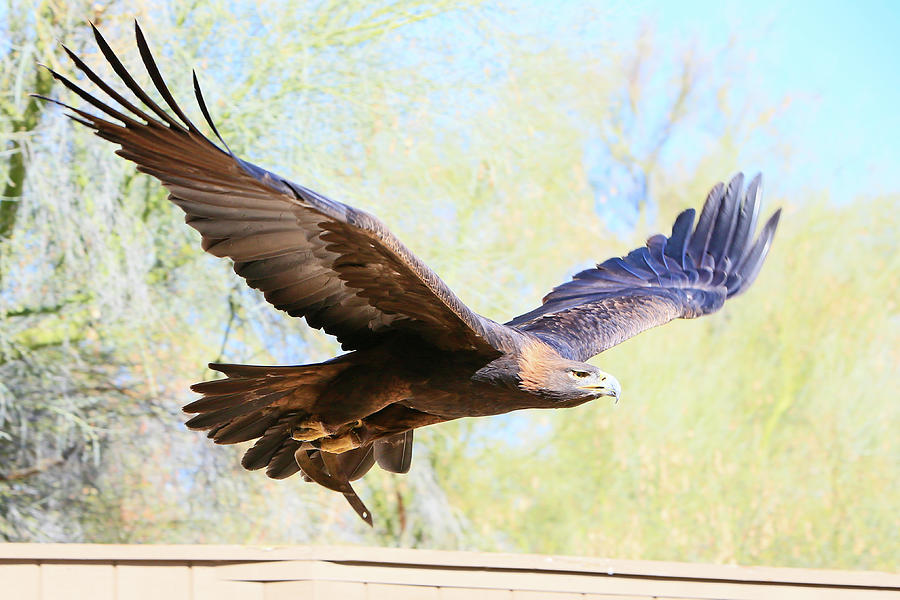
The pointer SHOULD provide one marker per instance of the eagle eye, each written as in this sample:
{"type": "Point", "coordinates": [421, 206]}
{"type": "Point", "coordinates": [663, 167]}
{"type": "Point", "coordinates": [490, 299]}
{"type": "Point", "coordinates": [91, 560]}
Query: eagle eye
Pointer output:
{"type": "Point", "coordinates": [580, 374]}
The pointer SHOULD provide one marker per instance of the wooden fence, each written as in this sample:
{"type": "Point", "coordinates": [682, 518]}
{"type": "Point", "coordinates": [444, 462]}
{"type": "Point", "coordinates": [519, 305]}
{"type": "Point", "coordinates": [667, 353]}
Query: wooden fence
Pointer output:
{"type": "Point", "coordinates": [114, 572]}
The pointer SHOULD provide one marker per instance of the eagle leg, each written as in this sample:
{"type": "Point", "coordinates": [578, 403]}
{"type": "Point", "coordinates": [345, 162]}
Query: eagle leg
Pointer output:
{"type": "Point", "coordinates": [337, 444]}
{"type": "Point", "coordinates": [309, 430]}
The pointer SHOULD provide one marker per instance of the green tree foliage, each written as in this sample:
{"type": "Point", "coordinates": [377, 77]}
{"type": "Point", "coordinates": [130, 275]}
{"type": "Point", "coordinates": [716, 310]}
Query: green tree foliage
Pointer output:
{"type": "Point", "coordinates": [759, 435]}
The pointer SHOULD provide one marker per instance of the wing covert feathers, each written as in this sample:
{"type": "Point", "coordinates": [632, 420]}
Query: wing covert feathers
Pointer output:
{"type": "Point", "coordinates": [686, 275]}
{"type": "Point", "coordinates": [338, 267]}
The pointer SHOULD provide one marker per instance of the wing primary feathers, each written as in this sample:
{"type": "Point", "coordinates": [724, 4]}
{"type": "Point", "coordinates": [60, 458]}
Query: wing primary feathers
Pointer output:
{"type": "Point", "coordinates": [753, 261]}
{"type": "Point", "coordinates": [92, 100]}
{"type": "Point", "coordinates": [726, 219]}
{"type": "Point", "coordinates": [746, 223]}
{"type": "Point", "coordinates": [199, 95]}
{"type": "Point", "coordinates": [85, 117]}
{"type": "Point", "coordinates": [676, 245]}
{"type": "Point", "coordinates": [73, 117]}
{"type": "Point", "coordinates": [687, 275]}
{"type": "Point", "coordinates": [106, 88]}
{"type": "Point", "coordinates": [219, 193]}
{"type": "Point", "coordinates": [700, 238]}
{"type": "Point", "coordinates": [158, 80]}
{"type": "Point", "coordinates": [126, 78]}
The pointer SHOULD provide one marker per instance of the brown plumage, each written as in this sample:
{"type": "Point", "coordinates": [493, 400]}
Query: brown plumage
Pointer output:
{"type": "Point", "coordinates": [418, 355]}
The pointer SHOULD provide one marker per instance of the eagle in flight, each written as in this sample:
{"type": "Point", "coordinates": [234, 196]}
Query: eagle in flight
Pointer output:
{"type": "Point", "coordinates": [418, 355]}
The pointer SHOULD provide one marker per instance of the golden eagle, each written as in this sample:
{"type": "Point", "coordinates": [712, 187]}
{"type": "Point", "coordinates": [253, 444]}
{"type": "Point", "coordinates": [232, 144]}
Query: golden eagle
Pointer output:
{"type": "Point", "coordinates": [418, 356]}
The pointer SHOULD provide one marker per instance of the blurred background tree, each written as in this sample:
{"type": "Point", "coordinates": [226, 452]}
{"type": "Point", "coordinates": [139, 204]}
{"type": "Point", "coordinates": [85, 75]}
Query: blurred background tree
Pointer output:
{"type": "Point", "coordinates": [507, 159]}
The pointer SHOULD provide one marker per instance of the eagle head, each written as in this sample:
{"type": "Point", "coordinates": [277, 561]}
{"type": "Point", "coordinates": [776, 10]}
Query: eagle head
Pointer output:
{"type": "Point", "coordinates": [543, 372]}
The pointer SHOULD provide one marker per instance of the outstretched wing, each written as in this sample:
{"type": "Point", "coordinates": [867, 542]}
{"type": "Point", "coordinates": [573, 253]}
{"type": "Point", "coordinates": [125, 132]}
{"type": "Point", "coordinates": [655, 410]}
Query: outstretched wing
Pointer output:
{"type": "Point", "coordinates": [687, 275]}
{"type": "Point", "coordinates": [312, 257]}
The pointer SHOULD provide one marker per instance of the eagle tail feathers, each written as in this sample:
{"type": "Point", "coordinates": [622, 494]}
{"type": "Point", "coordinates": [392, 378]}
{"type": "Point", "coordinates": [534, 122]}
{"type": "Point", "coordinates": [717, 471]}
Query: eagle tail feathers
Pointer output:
{"type": "Point", "coordinates": [261, 402]}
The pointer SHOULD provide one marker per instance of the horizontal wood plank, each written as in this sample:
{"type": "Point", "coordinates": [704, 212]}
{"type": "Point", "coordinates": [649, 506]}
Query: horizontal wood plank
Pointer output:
{"type": "Point", "coordinates": [461, 593]}
{"type": "Point", "coordinates": [359, 554]}
{"type": "Point", "coordinates": [267, 573]}
{"type": "Point", "coordinates": [380, 591]}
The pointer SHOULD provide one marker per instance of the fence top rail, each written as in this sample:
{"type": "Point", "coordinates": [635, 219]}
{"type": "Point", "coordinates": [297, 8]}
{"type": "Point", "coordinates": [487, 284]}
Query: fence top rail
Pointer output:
{"type": "Point", "coordinates": [403, 557]}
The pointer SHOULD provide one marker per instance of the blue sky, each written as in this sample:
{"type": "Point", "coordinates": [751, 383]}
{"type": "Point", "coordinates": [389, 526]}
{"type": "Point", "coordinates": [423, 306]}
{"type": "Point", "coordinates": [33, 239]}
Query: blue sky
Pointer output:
{"type": "Point", "coordinates": [837, 61]}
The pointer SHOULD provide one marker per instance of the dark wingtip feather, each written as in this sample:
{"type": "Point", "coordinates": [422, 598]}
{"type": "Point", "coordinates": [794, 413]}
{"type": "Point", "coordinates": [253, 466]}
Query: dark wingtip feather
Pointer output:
{"type": "Point", "coordinates": [48, 99]}
{"type": "Point", "coordinates": [726, 220]}
{"type": "Point", "coordinates": [753, 261]}
{"type": "Point", "coordinates": [746, 221]}
{"type": "Point", "coordinates": [131, 84]}
{"type": "Point", "coordinates": [234, 370]}
{"type": "Point", "coordinates": [676, 245]}
{"type": "Point", "coordinates": [81, 120]}
{"type": "Point", "coordinates": [776, 217]}
{"type": "Point", "coordinates": [158, 81]}
{"type": "Point", "coordinates": [718, 260]}
{"type": "Point", "coordinates": [87, 97]}
{"type": "Point", "coordinates": [700, 237]}
{"type": "Point", "coordinates": [203, 109]}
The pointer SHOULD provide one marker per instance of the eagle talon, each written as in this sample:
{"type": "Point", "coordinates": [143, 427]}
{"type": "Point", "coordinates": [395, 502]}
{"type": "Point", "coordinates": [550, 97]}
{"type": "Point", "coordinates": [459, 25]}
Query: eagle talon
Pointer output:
{"type": "Point", "coordinates": [309, 431]}
{"type": "Point", "coordinates": [339, 444]}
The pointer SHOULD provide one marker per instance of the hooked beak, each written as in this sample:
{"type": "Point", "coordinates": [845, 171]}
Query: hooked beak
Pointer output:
{"type": "Point", "coordinates": [608, 387]}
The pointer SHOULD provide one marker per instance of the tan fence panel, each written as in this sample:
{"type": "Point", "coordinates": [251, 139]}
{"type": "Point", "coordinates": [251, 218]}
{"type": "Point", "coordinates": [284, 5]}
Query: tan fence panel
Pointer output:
{"type": "Point", "coordinates": [207, 584]}
{"type": "Point", "coordinates": [78, 581]}
{"type": "Point", "coordinates": [21, 581]}
{"type": "Point", "coordinates": [315, 590]}
{"type": "Point", "coordinates": [152, 581]}
{"type": "Point", "coordinates": [117, 572]}
{"type": "Point", "coordinates": [381, 591]}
